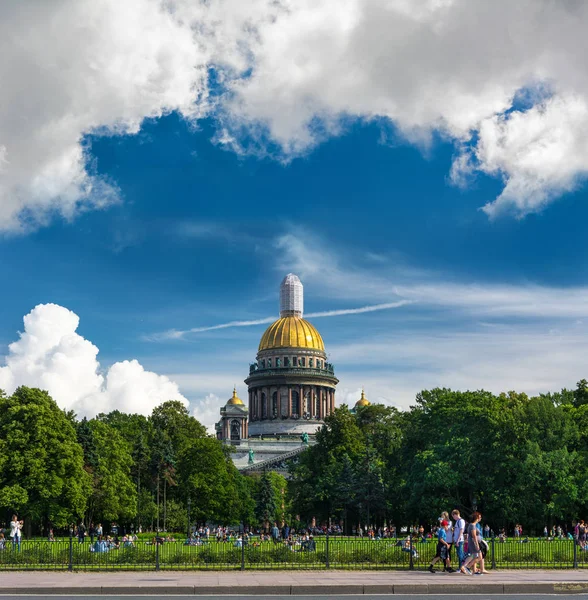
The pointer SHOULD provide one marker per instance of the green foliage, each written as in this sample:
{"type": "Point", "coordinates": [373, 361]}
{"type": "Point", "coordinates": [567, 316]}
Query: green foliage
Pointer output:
{"type": "Point", "coordinates": [113, 496]}
{"type": "Point", "coordinates": [41, 465]}
{"type": "Point", "coordinates": [267, 502]}
{"type": "Point", "coordinates": [207, 475]}
{"type": "Point", "coordinates": [514, 458]}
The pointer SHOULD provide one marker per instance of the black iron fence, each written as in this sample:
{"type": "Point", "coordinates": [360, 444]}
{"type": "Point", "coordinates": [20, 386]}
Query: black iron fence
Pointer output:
{"type": "Point", "coordinates": [321, 553]}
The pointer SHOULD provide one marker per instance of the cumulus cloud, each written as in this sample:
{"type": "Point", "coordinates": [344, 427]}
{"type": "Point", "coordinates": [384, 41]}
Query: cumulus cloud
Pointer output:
{"type": "Point", "coordinates": [290, 72]}
{"type": "Point", "coordinates": [50, 355]}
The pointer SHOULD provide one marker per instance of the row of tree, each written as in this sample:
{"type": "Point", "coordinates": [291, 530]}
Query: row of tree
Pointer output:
{"type": "Point", "coordinates": [128, 468]}
{"type": "Point", "coordinates": [514, 458]}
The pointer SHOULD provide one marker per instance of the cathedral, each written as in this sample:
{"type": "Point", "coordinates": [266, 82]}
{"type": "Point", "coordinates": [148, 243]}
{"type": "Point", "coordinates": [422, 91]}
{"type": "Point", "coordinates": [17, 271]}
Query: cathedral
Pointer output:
{"type": "Point", "coordinates": [290, 389]}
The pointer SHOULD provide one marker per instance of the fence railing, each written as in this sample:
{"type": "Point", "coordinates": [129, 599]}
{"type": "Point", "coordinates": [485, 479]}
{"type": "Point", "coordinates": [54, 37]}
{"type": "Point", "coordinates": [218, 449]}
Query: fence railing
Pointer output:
{"type": "Point", "coordinates": [322, 553]}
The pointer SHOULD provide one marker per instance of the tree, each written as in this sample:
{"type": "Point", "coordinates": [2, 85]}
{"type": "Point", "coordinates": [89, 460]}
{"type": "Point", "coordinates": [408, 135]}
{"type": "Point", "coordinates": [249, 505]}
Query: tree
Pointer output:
{"type": "Point", "coordinates": [267, 503]}
{"type": "Point", "coordinates": [581, 393]}
{"type": "Point", "coordinates": [41, 464]}
{"type": "Point", "coordinates": [172, 420]}
{"type": "Point", "coordinates": [208, 476]}
{"type": "Point", "coordinates": [114, 496]}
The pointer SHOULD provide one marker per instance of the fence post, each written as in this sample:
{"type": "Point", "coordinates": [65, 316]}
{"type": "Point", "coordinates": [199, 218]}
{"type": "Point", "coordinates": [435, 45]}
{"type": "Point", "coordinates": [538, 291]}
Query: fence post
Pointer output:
{"type": "Point", "coordinates": [243, 550]}
{"type": "Point", "coordinates": [411, 559]}
{"type": "Point", "coordinates": [575, 554]}
{"type": "Point", "coordinates": [492, 550]}
{"type": "Point", "coordinates": [327, 551]}
{"type": "Point", "coordinates": [70, 565]}
{"type": "Point", "coordinates": [156, 553]}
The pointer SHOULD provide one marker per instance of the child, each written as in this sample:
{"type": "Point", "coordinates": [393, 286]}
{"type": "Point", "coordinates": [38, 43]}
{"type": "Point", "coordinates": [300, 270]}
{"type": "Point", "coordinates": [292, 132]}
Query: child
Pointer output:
{"type": "Point", "coordinates": [442, 546]}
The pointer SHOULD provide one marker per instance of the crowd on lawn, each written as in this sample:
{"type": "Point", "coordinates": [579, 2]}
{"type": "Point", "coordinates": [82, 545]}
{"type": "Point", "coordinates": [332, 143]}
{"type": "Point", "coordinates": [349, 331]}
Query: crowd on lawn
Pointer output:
{"type": "Point", "coordinates": [468, 539]}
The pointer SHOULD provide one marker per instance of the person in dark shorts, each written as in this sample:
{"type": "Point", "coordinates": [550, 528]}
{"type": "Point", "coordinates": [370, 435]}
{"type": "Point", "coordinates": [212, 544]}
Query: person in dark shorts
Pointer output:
{"type": "Point", "coordinates": [442, 547]}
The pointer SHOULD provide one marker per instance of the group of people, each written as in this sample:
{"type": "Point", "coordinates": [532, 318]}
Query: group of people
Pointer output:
{"type": "Point", "coordinates": [466, 538]}
{"type": "Point", "coordinates": [105, 543]}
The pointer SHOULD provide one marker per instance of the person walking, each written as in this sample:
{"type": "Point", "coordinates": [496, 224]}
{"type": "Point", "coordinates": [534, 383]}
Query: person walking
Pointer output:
{"type": "Point", "coordinates": [449, 532]}
{"type": "Point", "coordinates": [442, 546]}
{"type": "Point", "coordinates": [81, 532]}
{"type": "Point", "coordinates": [275, 533]}
{"type": "Point", "coordinates": [474, 552]}
{"type": "Point", "coordinates": [458, 536]}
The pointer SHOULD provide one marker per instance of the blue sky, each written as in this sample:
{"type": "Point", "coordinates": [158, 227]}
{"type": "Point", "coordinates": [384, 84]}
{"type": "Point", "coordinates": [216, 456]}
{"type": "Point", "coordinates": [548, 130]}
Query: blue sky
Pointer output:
{"type": "Point", "coordinates": [194, 217]}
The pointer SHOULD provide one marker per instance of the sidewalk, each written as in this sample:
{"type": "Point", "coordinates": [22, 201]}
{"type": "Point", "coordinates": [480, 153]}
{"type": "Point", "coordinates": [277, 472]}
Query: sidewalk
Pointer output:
{"type": "Point", "coordinates": [291, 582]}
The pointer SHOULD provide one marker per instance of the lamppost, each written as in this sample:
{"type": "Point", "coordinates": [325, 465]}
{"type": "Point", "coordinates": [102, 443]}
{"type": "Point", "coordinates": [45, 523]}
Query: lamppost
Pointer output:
{"type": "Point", "coordinates": [189, 504]}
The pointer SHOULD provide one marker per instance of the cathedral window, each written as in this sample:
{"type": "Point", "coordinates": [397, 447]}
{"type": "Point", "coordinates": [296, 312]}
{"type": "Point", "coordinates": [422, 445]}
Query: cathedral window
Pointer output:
{"type": "Point", "coordinates": [286, 361]}
{"type": "Point", "coordinates": [275, 404]}
{"type": "Point", "coordinates": [294, 361]}
{"type": "Point", "coordinates": [235, 430]}
{"type": "Point", "coordinates": [295, 403]}
{"type": "Point", "coordinates": [263, 364]}
{"type": "Point", "coordinates": [302, 362]}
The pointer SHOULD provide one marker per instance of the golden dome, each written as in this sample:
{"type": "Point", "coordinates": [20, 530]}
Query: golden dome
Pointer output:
{"type": "Point", "coordinates": [291, 332]}
{"type": "Point", "coordinates": [363, 401]}
{"type": "Point", "coordinates": [235, 399]}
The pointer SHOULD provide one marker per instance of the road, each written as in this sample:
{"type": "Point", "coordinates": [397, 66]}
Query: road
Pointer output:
{"type": "Point", "coordinates": [319, 597]}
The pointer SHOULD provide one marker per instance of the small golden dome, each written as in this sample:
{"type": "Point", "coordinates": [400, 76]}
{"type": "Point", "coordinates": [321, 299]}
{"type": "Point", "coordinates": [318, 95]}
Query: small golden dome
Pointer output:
{"type": "Point", "coordinates": [235, 399]}
{"type": "Point", "coordinates": [363, 401]}
{"type": "Point", "coordinates": [291, 332]}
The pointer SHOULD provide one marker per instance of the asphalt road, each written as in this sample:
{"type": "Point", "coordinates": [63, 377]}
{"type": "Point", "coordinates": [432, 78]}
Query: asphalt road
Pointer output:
{"type": "Point", "coordinates": [319, 597]}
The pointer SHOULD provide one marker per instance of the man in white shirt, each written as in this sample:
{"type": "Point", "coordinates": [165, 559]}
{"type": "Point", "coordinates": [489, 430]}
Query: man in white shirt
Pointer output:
{"type": "Point", "coordinates": [458, 535]}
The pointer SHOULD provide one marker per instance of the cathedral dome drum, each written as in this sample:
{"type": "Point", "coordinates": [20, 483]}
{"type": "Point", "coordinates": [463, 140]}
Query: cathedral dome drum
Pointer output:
{"type": "Point", "coordinates": [291, 385]}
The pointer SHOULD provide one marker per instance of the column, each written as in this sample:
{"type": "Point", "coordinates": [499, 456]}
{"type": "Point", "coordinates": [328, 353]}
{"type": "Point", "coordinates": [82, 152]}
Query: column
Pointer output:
{"type": "Point", "coordinates": [320, 403]}
{"type": "Point", "coordinates": [289, 401]}
{"type": "Point", "coordinates": [250, 403]}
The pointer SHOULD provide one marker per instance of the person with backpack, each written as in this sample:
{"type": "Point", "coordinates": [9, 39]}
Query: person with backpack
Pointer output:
{"type": "Point", "coordinates": [458, 536]}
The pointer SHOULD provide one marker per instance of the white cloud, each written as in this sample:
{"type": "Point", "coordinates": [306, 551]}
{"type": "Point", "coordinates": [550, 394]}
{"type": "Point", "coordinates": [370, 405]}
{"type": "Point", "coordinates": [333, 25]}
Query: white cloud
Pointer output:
{"type": "Point", "coordinates": [50, 355]}
{"type": "Point", "coordinates": [526, 359]}
{"type": "Point", "coordinates": [72, 67]}
{"type": "Point", "coordinates": [540, 153]}
{"type": "Point", "coordinates": [206, 410]}
{"type": "Point", "coordinates": [294, 71]}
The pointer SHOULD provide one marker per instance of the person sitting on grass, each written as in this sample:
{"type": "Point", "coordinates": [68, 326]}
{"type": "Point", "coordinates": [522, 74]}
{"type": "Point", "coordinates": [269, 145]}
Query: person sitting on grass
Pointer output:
{"type": "Point", "coordinates": [100, 545]}
{"type": "Point", "coordinates": [406, 547]}
{"type": "Point", "coordinates": [442, 547]}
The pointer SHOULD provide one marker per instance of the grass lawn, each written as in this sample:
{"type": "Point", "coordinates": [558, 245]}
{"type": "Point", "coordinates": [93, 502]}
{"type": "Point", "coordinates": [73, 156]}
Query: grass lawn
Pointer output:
{"type": "Point", "coordinates": [344, 553]}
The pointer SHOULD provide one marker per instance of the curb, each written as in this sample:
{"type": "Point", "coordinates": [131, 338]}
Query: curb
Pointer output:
{"type": "Point", "coordinates": [318, 590]}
